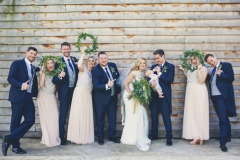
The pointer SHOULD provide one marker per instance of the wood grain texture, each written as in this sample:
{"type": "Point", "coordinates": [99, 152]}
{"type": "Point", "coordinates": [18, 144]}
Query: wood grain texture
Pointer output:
{"type": "Point", "coordinates": [126, 30]}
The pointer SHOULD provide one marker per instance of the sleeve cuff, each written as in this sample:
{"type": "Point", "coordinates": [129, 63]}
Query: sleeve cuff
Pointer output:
{"type": "Point", "coordinates": [159, 74]}
{"type": "Point", "coordinates": [59, 77]}
{"type": "Point", "coordinates": [107, 88]}
{"type": "Point", "coordinates": [22, 87]}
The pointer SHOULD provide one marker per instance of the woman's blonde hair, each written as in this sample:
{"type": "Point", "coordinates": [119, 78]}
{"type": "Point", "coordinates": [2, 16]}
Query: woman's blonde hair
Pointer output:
{"type": "Point", "coordinates": [90, 58]}
{"type": "Point", "coordinates": [137, 63]}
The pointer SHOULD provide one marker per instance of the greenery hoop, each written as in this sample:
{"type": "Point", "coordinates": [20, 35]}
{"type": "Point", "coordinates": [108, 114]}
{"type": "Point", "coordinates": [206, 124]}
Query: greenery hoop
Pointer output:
{"type": "Point", "coordinates": [84, 36]}
{"type": "Point", "coordinates": [186, 62]}
{"type": "Point", "coordinates": [57, 61]}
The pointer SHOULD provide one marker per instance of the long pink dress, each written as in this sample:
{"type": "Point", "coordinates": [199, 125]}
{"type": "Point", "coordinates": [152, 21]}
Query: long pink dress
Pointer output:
{"type": "Point", "coordinates": [196, 108]}
{"type": "Point", "coordinates": [48, 113]}
{"type": "Point", "coordinates": [80, 127]}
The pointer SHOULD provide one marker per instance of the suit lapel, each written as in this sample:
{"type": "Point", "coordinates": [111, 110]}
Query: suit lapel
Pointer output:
{"type": "Point", "coordinates": [25, 67]}
{"type": "Point", "coordinates": [65, 69]}
{"type": "Point", "coordinates": [216, 72]}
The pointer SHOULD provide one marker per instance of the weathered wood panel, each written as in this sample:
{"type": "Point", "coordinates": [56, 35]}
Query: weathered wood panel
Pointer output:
{"type": "Point", "coordinates": [127, 30]}
{"type": "Point", "coordinates": [121, 23]}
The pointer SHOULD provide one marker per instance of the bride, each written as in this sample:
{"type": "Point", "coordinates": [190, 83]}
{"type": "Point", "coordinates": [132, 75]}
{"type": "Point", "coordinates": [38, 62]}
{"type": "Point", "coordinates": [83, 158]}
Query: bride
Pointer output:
{"type": "Point", "coordinates": [135, 131]}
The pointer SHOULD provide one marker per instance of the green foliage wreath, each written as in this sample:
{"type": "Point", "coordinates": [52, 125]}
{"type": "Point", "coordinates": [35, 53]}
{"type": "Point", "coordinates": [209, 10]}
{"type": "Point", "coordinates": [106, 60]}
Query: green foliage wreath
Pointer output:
{"type": "Point", "coordinates": [84, 36]}
{"type": "Point", "coordinates": [57, 61]}
{"type": "Point", "coordinates": [186, 62]}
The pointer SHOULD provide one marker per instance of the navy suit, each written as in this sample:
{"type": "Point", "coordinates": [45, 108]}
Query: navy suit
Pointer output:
{"type": "Point", "coordinates": [163, 105]}
{"type": "Point", "coordinates": [65, 94]}
{"type": "Point", "coordinates": [21, 101]}
{"type": "Point", "coordinates": [103, 101]}
{"type": "Point", "coordinates": [224, 104]}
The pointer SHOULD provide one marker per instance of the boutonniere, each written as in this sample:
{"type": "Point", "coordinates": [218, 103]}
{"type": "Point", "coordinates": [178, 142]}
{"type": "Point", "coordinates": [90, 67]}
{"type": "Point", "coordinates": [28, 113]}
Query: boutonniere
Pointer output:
{"type": "Point", "coordinates": [112, 70]}
{"type": "Point", "coordinates": [219, 67]}
{"type": "Point", "coordinates": [73, 61]}
{"type": "Point", "coordinates": [164, 69]}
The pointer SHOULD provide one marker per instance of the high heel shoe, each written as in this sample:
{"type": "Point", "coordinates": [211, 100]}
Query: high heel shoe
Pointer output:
{"type": "Point", "coordinates": [194, 142]}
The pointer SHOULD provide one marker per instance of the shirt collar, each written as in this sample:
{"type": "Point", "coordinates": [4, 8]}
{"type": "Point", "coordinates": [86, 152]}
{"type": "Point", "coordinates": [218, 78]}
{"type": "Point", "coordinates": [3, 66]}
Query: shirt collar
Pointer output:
{"type": "Point", "coordinates": [104, 67]}
{"type": "Point", "coordinates": [27, 61]}
{"type": "Point", "coordinates": [162, 64]}
{"type": "Point", "coordinates": [66, 59]}
{"type": "Point", "coordinates": [218, 64]}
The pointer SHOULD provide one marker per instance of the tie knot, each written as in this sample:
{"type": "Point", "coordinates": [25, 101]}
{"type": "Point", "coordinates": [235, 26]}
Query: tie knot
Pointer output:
{"type": "Point", "coordinates": [68, 59]}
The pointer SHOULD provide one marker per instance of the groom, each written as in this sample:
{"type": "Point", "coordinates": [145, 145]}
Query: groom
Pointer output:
{"type": "Point", "coordinates": [105, 92]}
{"type": "Point", "coordinates": [158, 105]}
{"type": "Point", "coordinates": [65, 82]}
{"type": "Point", "coordinates": [24, 86]}
{"type": "Point", "coordinates": [222, 95]}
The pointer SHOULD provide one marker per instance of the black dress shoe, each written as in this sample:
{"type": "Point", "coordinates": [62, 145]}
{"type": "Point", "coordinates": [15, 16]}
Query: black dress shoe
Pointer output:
{"type": "Point", "coordinates": [63, 141]}
{"type": "Point", "coordinates": [228, 139]}
{"type": "Point", "coordinates": [19, 150]}
{"type": "Point", "coordinates": [223, 148]}
{"type": "Point", "coordinates": [153, 138]}
{"type": "Point", "coordinates": [100, 141]}
{"type": "Point", "coordinates": [115, 140]}
{"type": "Point", "coordinates": [169, 142]}
{"type": "Point", "coordinates": [5, 145]}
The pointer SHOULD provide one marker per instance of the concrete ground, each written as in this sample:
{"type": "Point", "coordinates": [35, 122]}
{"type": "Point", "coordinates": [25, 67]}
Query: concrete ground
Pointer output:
{"type": "Point", "coordinates": [181, 149]}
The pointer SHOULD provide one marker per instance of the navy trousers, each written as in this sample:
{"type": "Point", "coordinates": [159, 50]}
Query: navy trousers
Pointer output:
{"type": "Point", "coordinates": [24, 109]}
{"type": "Point", "coordinates": [160, 105]}
{"type": "Point", "coordinates": [111, 110]}
{"type": "Point", "coordinates": [224, 124]}
{"type": "Point", "coordinates": [64, 105]}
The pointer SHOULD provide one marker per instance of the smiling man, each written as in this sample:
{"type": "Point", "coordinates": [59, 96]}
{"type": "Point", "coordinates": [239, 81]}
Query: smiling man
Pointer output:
{"type": "Point", "coordinates": [105, 92]}
{"type": "Point", "coordinates": [24, 87]}
{"type": "Point", "coordinates": [222, 95]}
{"type": "Point", "coordinates": [65, 82]}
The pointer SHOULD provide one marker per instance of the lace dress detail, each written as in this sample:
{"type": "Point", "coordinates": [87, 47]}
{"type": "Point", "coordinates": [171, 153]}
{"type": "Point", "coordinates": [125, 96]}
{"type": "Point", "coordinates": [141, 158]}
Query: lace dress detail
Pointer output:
{"type": "Point", "coordinates": [48, 87]}
{"type": "Point", "coordinates": [135, 131]}
{"type": "Point", "coordinates": [85, 79]}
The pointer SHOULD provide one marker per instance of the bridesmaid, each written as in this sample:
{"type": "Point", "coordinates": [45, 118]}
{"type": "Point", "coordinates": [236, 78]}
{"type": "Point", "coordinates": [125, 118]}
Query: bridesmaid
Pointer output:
{"type": "Point", "coordinates": [196, 108]}
{"type": "Point", "coordinates": [47, 106]}
{"type": "Point", "coordinates": [80, 127]}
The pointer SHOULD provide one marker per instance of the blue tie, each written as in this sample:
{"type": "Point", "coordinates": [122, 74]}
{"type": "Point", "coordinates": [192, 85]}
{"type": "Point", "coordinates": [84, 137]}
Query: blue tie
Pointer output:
{"type": "Point", "coordinates": [213, 72]}
{"type": "Point", "coordinates": [70, 65]}
{"type": "Point", "coordinates": [31, 69]}
{"type": "Point", "coordinates": [108, 73]}
{"type": "Point", "coordinates": [161, 68]}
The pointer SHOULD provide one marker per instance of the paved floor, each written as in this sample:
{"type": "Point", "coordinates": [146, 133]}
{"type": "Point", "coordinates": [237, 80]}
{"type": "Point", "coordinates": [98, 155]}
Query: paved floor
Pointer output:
{"type": "Point", "coordinates": [181, 149]}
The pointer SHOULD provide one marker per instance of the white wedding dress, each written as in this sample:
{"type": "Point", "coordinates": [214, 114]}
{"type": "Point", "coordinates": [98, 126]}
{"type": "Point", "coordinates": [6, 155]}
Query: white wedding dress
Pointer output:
{"type": "Point", "coordinates": [135, 131]}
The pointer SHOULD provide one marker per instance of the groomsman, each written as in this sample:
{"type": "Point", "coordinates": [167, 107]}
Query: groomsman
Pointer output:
{"type": "Point", "coordinates": [65, 82]}
{"type": "Point", "coordinates": [105, 93]}
{"type": "Point", "coordinates": [222, 95]}
{"type": "Point", "coordinates": [158, 105]}
{"type": "Point", "coordinates": [24, 86]}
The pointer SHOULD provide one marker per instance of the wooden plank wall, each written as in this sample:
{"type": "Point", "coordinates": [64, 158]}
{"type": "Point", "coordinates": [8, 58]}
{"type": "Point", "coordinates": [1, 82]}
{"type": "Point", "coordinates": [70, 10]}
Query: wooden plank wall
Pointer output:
{"type": "Point", "coordinates": [126, 30]}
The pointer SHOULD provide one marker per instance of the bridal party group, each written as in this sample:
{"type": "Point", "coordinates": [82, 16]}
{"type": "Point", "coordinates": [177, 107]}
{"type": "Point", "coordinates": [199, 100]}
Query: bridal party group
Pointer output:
{"type": "Point", "coordinates": [89, 88]}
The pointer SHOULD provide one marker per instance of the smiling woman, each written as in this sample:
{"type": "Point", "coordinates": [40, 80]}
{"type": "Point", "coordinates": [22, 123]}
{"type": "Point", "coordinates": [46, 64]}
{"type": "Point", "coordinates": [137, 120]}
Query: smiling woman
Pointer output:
{"type": "Point", "coordinates": [47, 105]}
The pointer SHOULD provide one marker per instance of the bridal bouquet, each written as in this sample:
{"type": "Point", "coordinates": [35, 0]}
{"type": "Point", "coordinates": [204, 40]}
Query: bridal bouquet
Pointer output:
{"type": "Point", "coordinates": [141, 92]}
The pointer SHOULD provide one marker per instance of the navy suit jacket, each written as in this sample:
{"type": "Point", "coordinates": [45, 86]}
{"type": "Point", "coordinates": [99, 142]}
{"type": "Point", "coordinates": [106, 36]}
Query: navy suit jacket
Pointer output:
{"type": "Point", "coordinates": [100, 79]}
{"type": "Point", "coordinates": [18, 74]}
{"type": "Point", "coordinates": [165, 81]}
{"type": "Point", "coordinates": [63, 84]}
{"type": "Point", "coordinates": [225, 87]}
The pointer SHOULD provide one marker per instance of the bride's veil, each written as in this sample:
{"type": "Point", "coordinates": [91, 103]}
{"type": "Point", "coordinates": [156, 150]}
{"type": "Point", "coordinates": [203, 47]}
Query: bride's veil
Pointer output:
{"type": "Point", "coordinates": [120, 81]}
